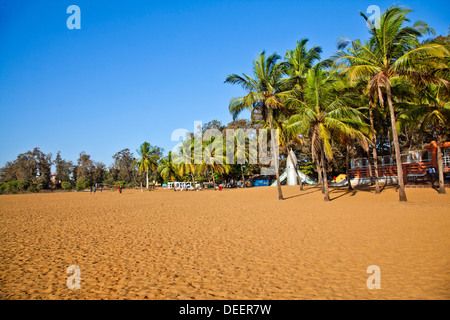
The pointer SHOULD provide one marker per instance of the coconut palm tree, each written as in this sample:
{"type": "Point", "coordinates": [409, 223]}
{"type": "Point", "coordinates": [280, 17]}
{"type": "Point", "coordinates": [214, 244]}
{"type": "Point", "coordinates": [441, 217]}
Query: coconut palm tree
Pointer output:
{"type": "Point", "coordinates": [214, 162]}
{"type": "Point", "coordinates": [432, 113]}
{"type": "Point", "coordinates": [393, 50]}
{"type": "Point", "coordinates": [296, 65]}
{"type": "Point", "coordinates": [264, 95]}
{"type": "Point", "coordinates": [167, 168]}
{"type": "Point", "coordinates": [374, 148]}
{"type": "Point", "coordinates": [148, 159]}
{"type": "Point", "coordinates": [185, 162]}
{"type": "Point", "coordinates": [242, 153]}
{"type": "Point", "coordinates": [298, 62]}
{"type": "Point", "coordinates": [324, 116]}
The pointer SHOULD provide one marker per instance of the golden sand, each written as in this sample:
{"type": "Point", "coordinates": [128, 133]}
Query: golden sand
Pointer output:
{"type": "Point", "coordinates": [230, 244]}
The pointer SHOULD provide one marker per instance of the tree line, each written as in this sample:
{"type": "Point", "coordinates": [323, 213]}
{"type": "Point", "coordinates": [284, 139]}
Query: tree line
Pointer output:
{"type": "Point", "coordinates": [31, 171]}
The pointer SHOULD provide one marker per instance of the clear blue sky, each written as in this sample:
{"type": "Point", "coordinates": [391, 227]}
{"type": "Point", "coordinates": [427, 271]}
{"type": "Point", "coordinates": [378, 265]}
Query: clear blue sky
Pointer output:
{"type": "Point", "coordinates": [137, 70]}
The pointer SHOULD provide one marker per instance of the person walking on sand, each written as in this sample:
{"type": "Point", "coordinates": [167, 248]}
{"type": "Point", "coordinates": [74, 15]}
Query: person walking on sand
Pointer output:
{"type": "Point", "coordinates": [120, 189]}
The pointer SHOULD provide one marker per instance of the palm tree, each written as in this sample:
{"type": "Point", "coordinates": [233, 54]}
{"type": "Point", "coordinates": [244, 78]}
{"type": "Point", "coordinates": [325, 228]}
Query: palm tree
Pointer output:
{"type": "Point", "coordinates": [298, 62]}
{"type": "Point", "coordinates": [392, 51]}
{"type": "Point", "coordinates": [324, 116]}
{"type": "Point", "coordinates": [242, 153]}
{"type": "Point", "coordinates": [147, 160]}
{"type": "Point", "coordinates": [432, 113]}
{"type": "Point", "coordinates": [167, 168]}
{"type": "Point", "coordinates": [185, 163]}
{"type": "Point", "coordinates": [213, 162]}
{"type": "Point", "coordinates": [264, 95]}
{"type": "Point", "coordinates": [374, 148]}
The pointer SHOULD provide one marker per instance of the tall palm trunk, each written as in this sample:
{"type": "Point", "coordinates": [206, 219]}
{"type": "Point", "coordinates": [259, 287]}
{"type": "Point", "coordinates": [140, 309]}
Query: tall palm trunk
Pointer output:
{"type": "Point", "coordinates": [326, 196]}
{"type": "Point", "coordinates": [300, 182]}
{"type": "Point", "coordinates": [347, 168]}
{"type": "Point", "coordinates": [147, 177]}
{"type": "Point", "coordinates": [401, 184]}
{"type": "Point", "coordinates": [214, 179]}
{"type": "Point", "coordinates": [370, 167]}
{"type": "Point", "coordinates": [440, 166]}
{"type": "Point", "coordinates": [319, 173]}
{"type": "Point", "coordinates": [243, 178]}
{"type": "Point", "coordinates": [374, 149]}
{"type": "Point", "coordinates": [193, 180]}
{"type": "Point", "coordinates": [275, 156]}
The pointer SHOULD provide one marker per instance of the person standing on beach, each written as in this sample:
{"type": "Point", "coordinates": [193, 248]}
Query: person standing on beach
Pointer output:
{"type": "Point", "coordinates": [432, 174]}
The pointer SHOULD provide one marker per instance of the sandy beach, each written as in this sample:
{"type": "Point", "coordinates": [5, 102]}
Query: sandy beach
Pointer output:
{"type": "Point", "coordinates": [230, 244]}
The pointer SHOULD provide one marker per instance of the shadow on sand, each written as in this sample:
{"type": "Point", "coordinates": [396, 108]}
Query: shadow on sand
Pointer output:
{"type": "Point", "coordinates": [303, 193]}
{"type": "Point", "coordinates": [339, 192]}
{"type": "Point", "coordinates": [342, 191]}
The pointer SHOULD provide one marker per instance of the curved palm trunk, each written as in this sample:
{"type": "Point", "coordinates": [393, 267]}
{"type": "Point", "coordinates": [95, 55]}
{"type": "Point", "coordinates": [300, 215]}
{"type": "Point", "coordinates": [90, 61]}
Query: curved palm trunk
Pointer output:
{"type": "Point", "coordinates": [347, 168]}
{"type": "Point", "coordinates": [440, 167]}
{"type": "Point", "coordinates": [401, 183]}
{"type": "Point", "coordinates": [275, 157]}
{"type": "Point", "coordinates": [300, 182]}
{"type": "Point", "coordinates": [374, 149]}
{"type": "Point", "coordinates": [326, 196]}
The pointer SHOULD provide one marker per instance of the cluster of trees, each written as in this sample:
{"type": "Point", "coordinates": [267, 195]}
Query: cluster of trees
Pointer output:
{"type": "Point", "coordinates": [31, 171]}
{"type": "Point", "coordinates": [379, 96]}
{"type": "Point", "coordinates": [383, 96]}
{"type": "Point", "coordinates": [210, 163]}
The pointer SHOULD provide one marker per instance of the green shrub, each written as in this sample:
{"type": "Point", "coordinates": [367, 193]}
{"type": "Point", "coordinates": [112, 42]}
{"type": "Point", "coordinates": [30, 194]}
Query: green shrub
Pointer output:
{"type": "Point", "coordinates": [33, 188]}
{"type": "Point", "coordinates": [23, 185]}
{"type": "Point", "coordinates": [65, 185]}
{"type": "Point", "coordinates": [120, 184]}
{"type": "Point", "coordinates": [83, 183]}
{"type": "Point", "coordinates": [10, 187]}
